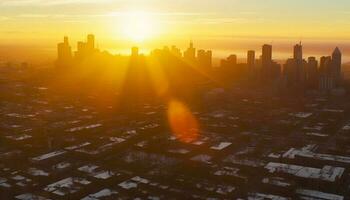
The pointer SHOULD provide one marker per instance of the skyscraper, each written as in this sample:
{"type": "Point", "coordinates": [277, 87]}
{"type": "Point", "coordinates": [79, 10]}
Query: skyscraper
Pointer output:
{"type": "Point", "coordinates": [294, 69]}
{"type": "Point", "coordinates": [251, 59]}
{"type": "Point", "coordinates": [229, 62]}
{"type": "Point", "coordinates": [90, 45]}
{"type": "Point", "coordinates": [336, 65]}
{"type": "Point", "coordinates": [312, 73]}
{"type": "Point", "coordinates": [298, 52]}
{"type": "Point", "coordinates": [266, 62]}
{"type": "Point", "coordinates": [190, 53]}
{"type": "Point", "coordinates": [204, 58]}
{"type": "Point", "coordinates": [64, 52]}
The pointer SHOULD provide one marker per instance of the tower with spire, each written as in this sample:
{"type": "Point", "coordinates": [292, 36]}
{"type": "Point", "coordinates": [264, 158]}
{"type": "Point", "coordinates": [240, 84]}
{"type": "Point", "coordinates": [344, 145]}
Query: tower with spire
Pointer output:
{"type": "Point", "coordinates": [190, 53]}
{"type": "Point", "coordinates": [336, 65]}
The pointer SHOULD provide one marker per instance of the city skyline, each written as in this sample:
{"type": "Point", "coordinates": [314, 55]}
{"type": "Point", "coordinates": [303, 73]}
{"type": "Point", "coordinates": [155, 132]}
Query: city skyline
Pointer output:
{"type": "Point", "coordinates": [298, 72]}
{"type": "Point", "coordinates": [234, 25]}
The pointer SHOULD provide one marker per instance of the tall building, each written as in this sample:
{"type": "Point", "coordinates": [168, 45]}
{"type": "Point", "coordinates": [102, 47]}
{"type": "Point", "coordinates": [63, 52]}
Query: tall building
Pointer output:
{"type": "Point", "coordinates": [90, 44]}
{"type": "Point", "coordinates": [295, 68]}
{"type": "Point", "coordinates": [176, 51]}
{"type": "Point", "coordinates": [229, 62]}
{"type": "Point", "coordinates": [86, 49]}
{"type": "Point", "coordinates": [251, 59]}
{"type": "Point", "coordinates": [204, 58]}
{"type": "Point", "coordinates": [312, 75]}
{"type": "Point", "coordinates": [325, 62]}
{"type": "Point", "coordinates": [190, 53]}
{"type": "Point", "coordinates": [336, 65]}
{"type": "Point", "coordinates": [298, 52]}
{"type": "Point", "coordinates": [64, 52]}
{"type": "Point", "coordinates": [266, 62]}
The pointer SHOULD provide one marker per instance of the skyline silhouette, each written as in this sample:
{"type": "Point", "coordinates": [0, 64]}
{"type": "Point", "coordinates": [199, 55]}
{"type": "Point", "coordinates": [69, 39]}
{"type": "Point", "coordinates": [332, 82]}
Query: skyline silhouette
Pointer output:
{"type": "Point", "coordinates": [304, 72]}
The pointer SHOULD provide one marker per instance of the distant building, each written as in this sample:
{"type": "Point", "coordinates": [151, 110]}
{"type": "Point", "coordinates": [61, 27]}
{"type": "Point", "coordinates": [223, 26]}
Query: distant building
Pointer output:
{"type": "Point", "coordinates": [190, 53]}
{"type": "Point", "coordinates": [204, 58]}
{"type": "Point", "coordinates": [86, 49]}
{"type": "Point", "coordinates": [251, 59]}
{"type": "Point", "coordinates": [330, 71]}
{"type": "Point", "coordinates": [266, 62]}
{"type": "Point", "coordinates": [295, 68]}
{"type": "Point", "coordinates": [229, 62]}
{"type": "Point", "coordinates": [90, 44]}
{"type": "Point", "coordinates": [312, 74]}
{"type": "Point", "coordinates": [298, 52]}
{"type": "Point", "coordinates": [64, 52]}
{"type": "Point", "coordinates": [176, 51]}
{"type": "Point", "coordinates": [336, 65]}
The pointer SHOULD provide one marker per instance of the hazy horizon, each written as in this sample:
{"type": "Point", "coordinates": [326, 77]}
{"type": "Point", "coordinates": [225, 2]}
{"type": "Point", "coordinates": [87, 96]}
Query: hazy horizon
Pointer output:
{"type": "Point", "coordinates": [231, 26]}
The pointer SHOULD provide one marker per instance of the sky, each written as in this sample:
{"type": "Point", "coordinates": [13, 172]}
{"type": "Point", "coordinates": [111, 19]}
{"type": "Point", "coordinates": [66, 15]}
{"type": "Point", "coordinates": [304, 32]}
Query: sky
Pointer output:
{"type": "Point", "coordinates": [222, 25]}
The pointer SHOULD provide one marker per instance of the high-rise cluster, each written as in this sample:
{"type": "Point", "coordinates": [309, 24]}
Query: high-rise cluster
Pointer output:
{"type": "Point", "coordinates": [296, 72]}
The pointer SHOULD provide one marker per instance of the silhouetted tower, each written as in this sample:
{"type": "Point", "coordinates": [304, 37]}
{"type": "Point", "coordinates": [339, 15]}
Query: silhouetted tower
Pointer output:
{"type": "Point", "coordinates": [190, 53]}
{"type": "Point", "coordinates": [312, 73]}
{"type": "Point", "coordinates": [64, 53]}
{"type": "Point", "coordinates": [251, 59]}
{"type": "Point", "coordinates": [298, 52]}
{"type": "Point", "coordinates": [90, 45]}
{"type": "Point", "coordinates": [266, 62]}
{"type": "Point", "coordinates": [336, 65]}
{"type": "Point", "coordinates": [204, 58]}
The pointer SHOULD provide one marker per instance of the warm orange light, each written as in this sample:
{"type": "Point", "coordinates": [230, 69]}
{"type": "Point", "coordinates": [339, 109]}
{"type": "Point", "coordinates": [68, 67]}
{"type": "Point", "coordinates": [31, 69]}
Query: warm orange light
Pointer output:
{"type": "Point", "coordinates": [138, 26]}
{"type": "Point", "coordinates": [182, 122]}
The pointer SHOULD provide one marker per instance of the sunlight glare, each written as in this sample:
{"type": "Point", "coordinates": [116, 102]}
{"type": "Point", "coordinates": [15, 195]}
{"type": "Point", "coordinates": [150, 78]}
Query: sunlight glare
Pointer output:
{"type": "Point", "coordinates": [182, 122]}
{"type": "Point", "coordinates": [138, 26]}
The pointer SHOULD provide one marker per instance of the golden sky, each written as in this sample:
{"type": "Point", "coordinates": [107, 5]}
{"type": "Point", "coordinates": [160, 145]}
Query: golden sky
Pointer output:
{"type": "Point", "coordinates": [219, 24]}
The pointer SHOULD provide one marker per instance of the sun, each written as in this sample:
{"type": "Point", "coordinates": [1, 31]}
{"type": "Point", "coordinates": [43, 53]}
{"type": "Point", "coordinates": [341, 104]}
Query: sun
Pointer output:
{"type": "Point", "coordinates": [138, 26]}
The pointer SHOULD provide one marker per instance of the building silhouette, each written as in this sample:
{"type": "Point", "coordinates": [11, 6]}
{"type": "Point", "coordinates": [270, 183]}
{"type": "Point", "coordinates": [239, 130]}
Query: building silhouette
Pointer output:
{"type": "Point", "coordinates": [64, 53]}
{"type": "Point", "coordinates": [266, 62]}
{"type": "Point", "coordinates": [336, 66]}
{"type": "Point", "coordinates": [229, 63]}
{"type": "Point", "coordinates": [86, 49]}
{"type": "Point", "coordinates": [312, 73]}
{"type": "Point", "coordinates": [189, 66]}
{"type": "Point", "coordinates": [204, 58]}
{"type": "Point", "coordinates": [295, 68]}
{"type": "Point", "coordinates": [190, 53]}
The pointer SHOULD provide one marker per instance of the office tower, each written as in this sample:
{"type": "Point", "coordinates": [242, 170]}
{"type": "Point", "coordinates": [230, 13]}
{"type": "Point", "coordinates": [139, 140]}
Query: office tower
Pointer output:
{"type": "Point", "coordinates": [81, 50]}
{"type": "Point", "coordinates": [312, 73]}
{"type": "Point", "coordinates": [64, 52]}
{"type": "Point", "coordinates": [134, 51]}
{"type": "Point", "coordinates": [266, 62]}
{"type": "Point", "coordinates": [190, 53]}
{"type": "Point", "coordinates": [176, 51]}
{"type": "Point", "coordinates": [298, 52]}
{"type": "Point", "coordinates": [326, 65]}
{"type": "Point", "coordinates": [232, 60]}
{"type": "Point", "coordinates": [295, 73]}
{"type": "Point", "coordinates": [301, 65]}
{"type": "Point", "coordinates": [90, 45]}
{"type": "Point", "coordinates": [336, 65]}
{"type": "Point", "coordinates": [204, 58]}
{"type": "Point", "coordinates": [229, 62]}
{"type": "Point", "coordinates": [251, 59]}
{"type": "Point", "coordinates": [326, 81]}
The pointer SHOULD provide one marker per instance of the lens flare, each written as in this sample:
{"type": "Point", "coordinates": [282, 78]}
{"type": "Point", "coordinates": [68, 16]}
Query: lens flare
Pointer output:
{"type": "Point", "coordinates": [182, 122]}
